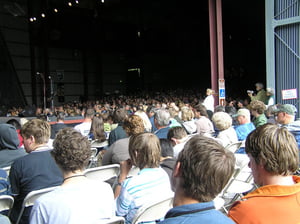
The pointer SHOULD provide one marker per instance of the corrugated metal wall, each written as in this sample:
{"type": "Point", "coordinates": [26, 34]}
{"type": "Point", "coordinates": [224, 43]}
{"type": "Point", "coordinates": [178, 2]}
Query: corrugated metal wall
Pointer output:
{"type": "Point", "coordinates": [283, 45]}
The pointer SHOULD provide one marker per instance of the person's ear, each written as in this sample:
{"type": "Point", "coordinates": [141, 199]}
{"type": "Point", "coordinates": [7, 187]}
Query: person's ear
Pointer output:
{"type": "Point", "coordinates": [176, 170]}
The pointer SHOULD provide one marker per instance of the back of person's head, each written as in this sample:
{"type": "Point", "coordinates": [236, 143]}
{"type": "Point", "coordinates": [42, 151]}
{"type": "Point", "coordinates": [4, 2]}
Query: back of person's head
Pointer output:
{"type": "Point", "coordinates": [145, 119]}
{"type": "Point", "coordinates": [14, 122]}
{"type": "Point", "coordinates": [39, 129]}
{"type": "Point", "coordinates": [219, 108]}
{"type": "Point", "coordinates": [133, 125]}
{"type": "Point", "coordinates": [177, 133]}
{"type": "Point", "coordinates": [258, 106]}
{"type": "Point", "coordinates": [201, 109]}
{"type": "Point", "coordinates": [97, 128]}
{"type": "Point", "coordinates": [89, 113]}
{"type": "Point", "coordinates": [259, 85]}
{"type": "Point", "coordinates": [275, 148]}
{"type": "Point", "coordinates": [173, 112]}
{"type": "Point", "coordinates": [187, 114]}
{"type": "Point", "coordinates": [8, 137]}
{"type": "Point", "coordinates": [222, 120]}
{"type": "Point", "coordinates": [205, 168]}
{"type": "Point", "coordinates": [271, 110]}
{"type": "Point", "coordinates": [119, 115]}
{"type": "Point", "coordinates": [72, 150]}
{"type": "Point", "coordinates": [60, 116]}
{"type": "Point", "coordinates": [166, 148]}
{"type": "Point", "coordinates": [144, 150]}
{"type": "Point", "coordinates": [162, 117]}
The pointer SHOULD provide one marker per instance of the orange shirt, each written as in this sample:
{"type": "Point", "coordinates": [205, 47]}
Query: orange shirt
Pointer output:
{"type": "Point", "coordinates": [274, 204]}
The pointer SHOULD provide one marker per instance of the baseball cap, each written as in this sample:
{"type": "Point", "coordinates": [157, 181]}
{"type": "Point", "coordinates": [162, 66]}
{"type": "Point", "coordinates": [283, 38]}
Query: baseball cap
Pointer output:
{"type": "Point", "coordinates": [242, 112]}
{"type": "Point", "coordinates": [287, 108]}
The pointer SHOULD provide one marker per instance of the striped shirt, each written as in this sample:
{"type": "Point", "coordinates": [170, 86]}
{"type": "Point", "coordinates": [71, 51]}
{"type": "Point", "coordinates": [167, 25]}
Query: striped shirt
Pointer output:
{"type": "Point", "coordinates": [148, 186]}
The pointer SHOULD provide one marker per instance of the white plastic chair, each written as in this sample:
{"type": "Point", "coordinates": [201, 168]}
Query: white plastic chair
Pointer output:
{"type": "Point", "coordinates": [153, 211]}
{"type": "Point", "coordinates": [114, 220]}
{"type": "Point", "coordinates": [31, 198]}
{"type": "Point", "coordinates": [7, 169]}
{"type": "Point", "coordinates": [104, 173]}
{"type": "Point", "coordinates": [6, 203]}
{"type": "Point", "coordinates": [235, 188]}
{"type": "Point", "coordinates": [233, 147]}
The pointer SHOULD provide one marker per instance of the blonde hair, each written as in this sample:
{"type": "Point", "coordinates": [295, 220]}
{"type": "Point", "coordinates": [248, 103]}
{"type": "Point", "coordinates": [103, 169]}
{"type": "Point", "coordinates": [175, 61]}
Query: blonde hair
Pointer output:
{"type": "Point", "coordinates": [222, 120]}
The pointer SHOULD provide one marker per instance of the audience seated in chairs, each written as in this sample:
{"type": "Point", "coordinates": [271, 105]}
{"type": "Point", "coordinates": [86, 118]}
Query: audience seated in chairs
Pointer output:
{"type": "Point", "coordinates": [34, 171]}
{"type": "Point", "coordinates": [202, 170]}
{"type": "Point", "coordinates": [78, 199]}
{"type": "Point", "coordinates": [149, 184]}
{"type": "Point", "coordinates": [273, 154]}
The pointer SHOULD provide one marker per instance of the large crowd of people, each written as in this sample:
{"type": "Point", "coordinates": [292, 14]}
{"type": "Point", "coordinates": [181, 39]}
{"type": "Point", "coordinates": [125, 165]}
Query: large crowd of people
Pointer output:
{"type": "Point", "coordinates": [178, 143]}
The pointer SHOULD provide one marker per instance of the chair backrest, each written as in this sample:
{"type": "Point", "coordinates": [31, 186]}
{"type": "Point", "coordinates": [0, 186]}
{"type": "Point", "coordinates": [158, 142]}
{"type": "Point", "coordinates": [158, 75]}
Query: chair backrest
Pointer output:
{"type": "Point", "coordinates": [154, 211]}
{"type": "Point", "coordinates": [7, 169]}
{"type": "Point", "coordinates": [233, 147]}
{"type": "Point", "coordinates": [103, 172]}
{"type": "Point", "coordinates": [31, 197]}
{"type": "Point", "coordinates": [6, 202]}
{"type": "Point", "coordinates": [114, 220]}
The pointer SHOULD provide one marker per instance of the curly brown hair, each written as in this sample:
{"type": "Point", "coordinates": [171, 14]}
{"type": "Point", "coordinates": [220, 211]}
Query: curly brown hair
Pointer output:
{"type": "Point", "coordinates": [134, 125]}
{"type": "Point", "coordinates": [258, 106]}
{"type": "Point", "coordinates": [72, 150]}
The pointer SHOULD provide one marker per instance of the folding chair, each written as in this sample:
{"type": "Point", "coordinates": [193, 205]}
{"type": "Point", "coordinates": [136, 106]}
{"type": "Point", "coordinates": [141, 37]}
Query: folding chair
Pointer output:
{"type": "Point", "coordinates": [104, 173]}
{"type": "Point", "coordinates": [7, 169]}
{"type": "Point", "coordinates": [153, 211]}
{"type": "Point", "coordinates": [115, 220]}
{"type": "Point", "coordinates": [6, 203]}
{"type": "Point", "coordinates": [94, 158]}
{"type": "Point", "coordinates": [31, 198]}
{"type": "Point", "coordinates": [233, 147]}
{"type": "Point", "coordinates": [235, 189]}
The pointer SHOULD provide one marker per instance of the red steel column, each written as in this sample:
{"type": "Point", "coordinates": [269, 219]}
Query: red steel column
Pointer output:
{"type": "Point", "coordinates": [213, 45]}
{"type": "Point", "coordinates": [220, 40]}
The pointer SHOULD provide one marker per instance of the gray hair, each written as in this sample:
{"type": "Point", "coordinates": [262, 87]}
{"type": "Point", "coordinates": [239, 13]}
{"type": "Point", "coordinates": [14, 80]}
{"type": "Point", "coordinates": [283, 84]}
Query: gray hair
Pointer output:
{"type": "Point", "coordinates": [162, 117]}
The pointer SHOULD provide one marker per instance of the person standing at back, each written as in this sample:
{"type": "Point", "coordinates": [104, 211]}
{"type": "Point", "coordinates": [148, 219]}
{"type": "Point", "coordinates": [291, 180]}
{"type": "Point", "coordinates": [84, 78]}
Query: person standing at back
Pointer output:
{"type": "Point", "coordinates": [34, 171]}
{"type": "Point", "coordinates": [261, 94]}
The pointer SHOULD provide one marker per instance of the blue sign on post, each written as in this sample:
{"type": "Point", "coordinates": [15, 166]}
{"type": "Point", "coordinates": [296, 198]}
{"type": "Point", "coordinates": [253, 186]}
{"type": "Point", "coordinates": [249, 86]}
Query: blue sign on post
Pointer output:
{"type": "Point", "coordinates": [221, 93]}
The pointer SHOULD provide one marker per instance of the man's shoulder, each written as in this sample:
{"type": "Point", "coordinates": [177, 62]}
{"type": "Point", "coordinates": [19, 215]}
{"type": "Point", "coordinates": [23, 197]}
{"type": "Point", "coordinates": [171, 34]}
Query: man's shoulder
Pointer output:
{"type": "Point", "coordinates": [196, 213]}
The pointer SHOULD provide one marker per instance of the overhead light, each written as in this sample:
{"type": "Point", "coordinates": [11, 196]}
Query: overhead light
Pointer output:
{"type": "Point", "coordinates": [70, 4]}
{"type": "Point", "coordinates": [55, 10]}
{"type": "Point", "coordinates": [77, 2]}
{"type": "Point", "coordinates": [43, 15]}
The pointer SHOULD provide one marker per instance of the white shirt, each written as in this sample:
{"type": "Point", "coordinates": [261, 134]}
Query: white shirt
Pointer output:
{"type": "Point", "coordinates": [87, 202]}
{"type": "Point", "coordinates": [84, 128]}
{"type": "Point", "coordinates": [209, 103]}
